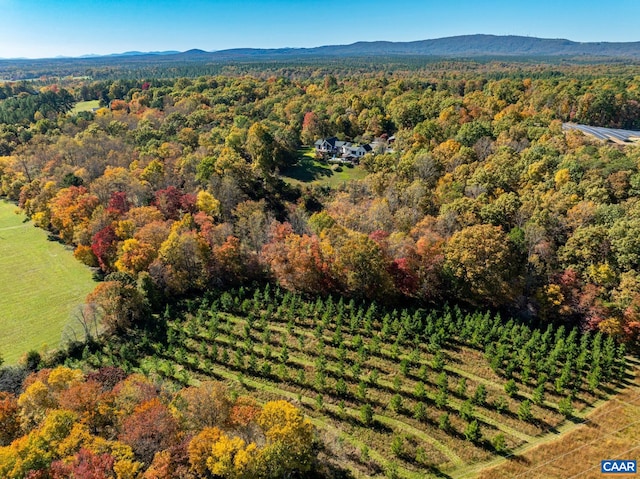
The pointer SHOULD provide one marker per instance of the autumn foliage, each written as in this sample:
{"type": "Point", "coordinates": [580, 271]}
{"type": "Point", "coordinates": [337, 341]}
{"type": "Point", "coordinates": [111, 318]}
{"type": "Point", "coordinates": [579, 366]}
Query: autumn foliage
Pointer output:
{"type": "Point", "coordinates": [64, 425]}
{"type": "Point", "coordinates": [473, 193]}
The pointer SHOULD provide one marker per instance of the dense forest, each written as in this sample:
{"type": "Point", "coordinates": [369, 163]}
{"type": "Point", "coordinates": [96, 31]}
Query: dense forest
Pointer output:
{"type": "Point", "coordinates": [109, 424]}
{"type": "Point", "coordinates": [176, 192]}
{"type": "Point", "coordinates": [484, 199]}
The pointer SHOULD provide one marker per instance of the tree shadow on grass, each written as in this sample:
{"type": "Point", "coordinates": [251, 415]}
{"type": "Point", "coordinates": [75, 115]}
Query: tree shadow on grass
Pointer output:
{"type": "Point", "coordinates": [307, 171]}
{"type": "Point", "coordinates": [434, 471]}
{"type": "Point", "coordinates": [54, 238]}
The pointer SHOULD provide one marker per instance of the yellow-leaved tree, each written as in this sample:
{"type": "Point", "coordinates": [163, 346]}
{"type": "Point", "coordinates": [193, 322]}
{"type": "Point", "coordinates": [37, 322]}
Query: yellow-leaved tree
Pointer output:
{"type": "Point", "coordinates": [290, 440]}
{"type": "Point", "coordinates": [232, 458]}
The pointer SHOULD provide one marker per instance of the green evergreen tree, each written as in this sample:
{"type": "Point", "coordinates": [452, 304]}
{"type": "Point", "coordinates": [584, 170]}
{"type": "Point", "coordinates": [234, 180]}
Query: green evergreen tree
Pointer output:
{"type": "Point", "coordinates": [441, 399]}
{"type": "Point", "coordinates": [499, 443]}
{"type": "Point", "coordinates": [396, 403]}
{"type": "Point", "coordinates": [366, 414]}
{"type": "Point", "coordinates": [565, 407]}
{"type": "Point", "coordinates": [442, 382]}
{"type": "Point", "coordinates": [480, 395]}
{"type": "Point", "coordinates": [444, 423]}
{"type": "Point", "coordinates": [341, 387]}
{"type": "Point", "coordinates": [524, 411]}
{"type": "Point", "coordinates": [466, 410]}
{"type": "Point", "coordinates": [462, 387]}
{"type": "Point", "coordinates": [511, 388]}
{"type": "Point", "coordinates": [538, 395]}
{"type": "Point", "coordinates": [419, 411]}
{"type": "Point", "coordinates": [420, 391]}
{"type": "Point", "coordinates": [472, 431]}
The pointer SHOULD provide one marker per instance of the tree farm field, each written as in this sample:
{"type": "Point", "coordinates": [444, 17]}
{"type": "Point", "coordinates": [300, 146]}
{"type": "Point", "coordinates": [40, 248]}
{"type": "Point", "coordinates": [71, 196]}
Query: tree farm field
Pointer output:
{"type": "Point", "coordinates": [406, 405]}
{"type": "Point", "coordinates": [42, 284]}
{"type": "Point", "coordinates": [609, 432]}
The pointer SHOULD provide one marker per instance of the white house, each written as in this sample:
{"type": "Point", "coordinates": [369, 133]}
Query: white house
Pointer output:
{"type": "Point", "coordinates": [342, 149]}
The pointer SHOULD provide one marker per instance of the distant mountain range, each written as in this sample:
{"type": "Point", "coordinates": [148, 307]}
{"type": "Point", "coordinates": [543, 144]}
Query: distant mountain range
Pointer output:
{"type": "Point", "coordinates": [455, 47]}
{"type": "Point", "coordinates": [460, 46]}
{"type": "Point", "coordinates": [466, 46]}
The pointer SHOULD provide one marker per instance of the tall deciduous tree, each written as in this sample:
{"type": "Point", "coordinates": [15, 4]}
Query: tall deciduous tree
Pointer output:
{"type": "Point", "coordinates": [289, 439]}
{"type": "Point", "coordinates": [480, 258]}
{"type": "Point", "coordinates": [263, 148]}
{"type": "Point", "coordinates": [121, 304]}
{"type": "Point", "coordinates": [185, 256]}
{"type": "Point", "coordinates": [9, 418]}
{"type": "Point", "coordinates": [150, 429]}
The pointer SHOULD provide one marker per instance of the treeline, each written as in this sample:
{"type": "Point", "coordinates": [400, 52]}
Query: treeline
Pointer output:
{"type": "Point", "coordinates": [65, 423]}
{"type": "Point", "coordinates": [22, 105]}
{"type": "Point", "coordinates": [195, 65]}
{"type": "Point", "coordinates": [176, 188]}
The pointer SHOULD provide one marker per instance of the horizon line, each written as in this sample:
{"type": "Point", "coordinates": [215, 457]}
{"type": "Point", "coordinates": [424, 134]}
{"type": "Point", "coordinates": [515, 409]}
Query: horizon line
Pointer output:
{"type": "Point", "coordinates": [88, 56]}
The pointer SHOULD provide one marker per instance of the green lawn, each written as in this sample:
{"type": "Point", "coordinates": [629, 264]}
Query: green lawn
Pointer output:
{"type": "Point", "coordinates": [309, 171]}
{"type": "Point", "coordinates": [42, 283]}
{"type": "Point", "coordinates": [85, 106]}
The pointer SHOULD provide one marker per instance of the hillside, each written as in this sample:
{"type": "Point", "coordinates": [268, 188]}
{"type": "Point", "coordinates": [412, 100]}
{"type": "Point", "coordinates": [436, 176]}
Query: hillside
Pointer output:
{"type": "Point", "coordinates": [607, 432]}
{"type": "Point", "coordinates": [451, 47]}
{"type": "Point", "coordinates": [418, 391]}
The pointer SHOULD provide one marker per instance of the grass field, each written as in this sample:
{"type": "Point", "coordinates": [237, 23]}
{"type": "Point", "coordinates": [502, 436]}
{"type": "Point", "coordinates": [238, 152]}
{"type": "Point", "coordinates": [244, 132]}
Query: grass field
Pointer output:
{"type": "Point", "coordinates": [85, 106]}
{"type": "Point", "coordinates": [611, 431]}
{"type": "Point", "coordinates": [42, 283]}
{"type": "Point", "coordinates": [309, 171]}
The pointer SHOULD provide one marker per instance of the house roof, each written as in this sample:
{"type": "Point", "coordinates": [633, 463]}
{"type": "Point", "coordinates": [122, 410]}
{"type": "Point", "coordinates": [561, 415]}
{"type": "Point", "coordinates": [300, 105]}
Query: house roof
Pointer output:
{"type": "Point", "coordinates": [331, 141]}
{"type": "Point", "coordinates": [334, 143]}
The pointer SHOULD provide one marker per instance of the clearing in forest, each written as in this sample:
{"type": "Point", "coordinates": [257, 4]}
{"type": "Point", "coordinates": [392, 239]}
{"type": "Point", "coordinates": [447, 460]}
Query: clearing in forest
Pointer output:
{"type": "Point", "coordinates": [309, 171]}
{"type": "Point", "coordinates": [85, 106]}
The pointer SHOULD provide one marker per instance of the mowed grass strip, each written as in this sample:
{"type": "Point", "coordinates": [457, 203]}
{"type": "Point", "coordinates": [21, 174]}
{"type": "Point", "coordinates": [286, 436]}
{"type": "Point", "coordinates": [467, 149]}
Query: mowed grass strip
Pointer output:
{"type": "Point", "coordinates": [41, 285]}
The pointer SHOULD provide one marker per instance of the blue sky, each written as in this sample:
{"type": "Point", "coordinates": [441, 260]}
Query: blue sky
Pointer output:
{"type": "Point", "coordinates": [47, 28]}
